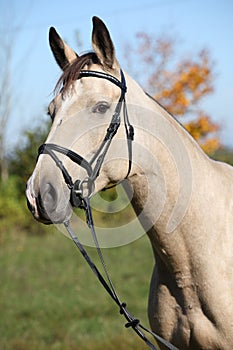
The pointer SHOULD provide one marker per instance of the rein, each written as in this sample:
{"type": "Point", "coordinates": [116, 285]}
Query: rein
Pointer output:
{"type": "Point", "coordinates": [78, 199]}
{"type": "Point", "coordinates": [108, 285]}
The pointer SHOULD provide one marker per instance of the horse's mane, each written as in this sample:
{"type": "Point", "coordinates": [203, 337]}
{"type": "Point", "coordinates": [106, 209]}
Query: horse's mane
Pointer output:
{"type": "Point", "coordinates": [72, 71]}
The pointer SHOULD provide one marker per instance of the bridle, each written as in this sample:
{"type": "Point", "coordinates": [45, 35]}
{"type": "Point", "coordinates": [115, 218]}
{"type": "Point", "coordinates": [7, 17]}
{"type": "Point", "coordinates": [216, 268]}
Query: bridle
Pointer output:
{"type": "Point", "coordinates": [78, 199]}
{"type": "Point", "coordinates": [77, 187]}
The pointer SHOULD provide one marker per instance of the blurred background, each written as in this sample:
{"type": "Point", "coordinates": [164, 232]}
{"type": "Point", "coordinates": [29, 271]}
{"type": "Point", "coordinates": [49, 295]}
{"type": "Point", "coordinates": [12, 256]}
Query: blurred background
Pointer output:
{"type": "Point", "coordinates": [181, 52]}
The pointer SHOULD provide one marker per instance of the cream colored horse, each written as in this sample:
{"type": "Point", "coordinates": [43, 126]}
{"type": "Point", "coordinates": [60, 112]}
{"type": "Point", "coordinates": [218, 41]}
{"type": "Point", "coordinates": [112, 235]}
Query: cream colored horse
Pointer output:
{"type": "Point", "coordinates": [183, 199]}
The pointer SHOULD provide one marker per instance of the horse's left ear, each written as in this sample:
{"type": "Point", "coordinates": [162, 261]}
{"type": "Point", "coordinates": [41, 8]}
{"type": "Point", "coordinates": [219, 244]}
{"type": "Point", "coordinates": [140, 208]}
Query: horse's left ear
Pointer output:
{"type": "Point", "coordinates": [102, 44]}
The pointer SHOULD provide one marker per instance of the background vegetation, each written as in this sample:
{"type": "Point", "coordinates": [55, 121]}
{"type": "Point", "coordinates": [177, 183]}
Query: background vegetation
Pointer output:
{"type": "Point", "coordinates": [51, 300]}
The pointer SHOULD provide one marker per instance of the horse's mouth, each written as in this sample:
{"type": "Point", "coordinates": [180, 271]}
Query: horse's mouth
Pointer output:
{"type": "Point", "coordinates": [36, 207]}
{"type": "Point", "coordinates": [38, 213]}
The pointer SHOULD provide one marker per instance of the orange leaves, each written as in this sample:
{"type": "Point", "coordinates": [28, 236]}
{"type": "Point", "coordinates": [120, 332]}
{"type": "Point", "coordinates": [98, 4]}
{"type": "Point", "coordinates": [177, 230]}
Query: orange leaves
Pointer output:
{"type": "Point", "coordinates": [174, 99]}
{"type": "Point", "coordinates": [190, 82]}
{"type": "Point", "coordinates": [180, 87]}
{"type": "Point", "coordinates": [210, 145]}
{"type": "Point", "coordinates": [203, 129]}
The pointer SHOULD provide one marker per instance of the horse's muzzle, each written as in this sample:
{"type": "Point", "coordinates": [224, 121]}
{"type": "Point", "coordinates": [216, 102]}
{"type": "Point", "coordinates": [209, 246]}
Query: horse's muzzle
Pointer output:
{"type": "Point", "coordinates": [48, 207]}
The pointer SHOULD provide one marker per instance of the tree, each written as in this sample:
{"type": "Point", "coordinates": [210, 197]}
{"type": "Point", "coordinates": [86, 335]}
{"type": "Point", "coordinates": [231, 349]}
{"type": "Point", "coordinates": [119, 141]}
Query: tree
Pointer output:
{"type": "Point", "coordinates": [11, 25]}
{"type": "Point", "coordinates": [179, 85]}
{"type": "Point", "coordinates": [23, 158]}
{"type": "Point", "coordinates": [5, 98]}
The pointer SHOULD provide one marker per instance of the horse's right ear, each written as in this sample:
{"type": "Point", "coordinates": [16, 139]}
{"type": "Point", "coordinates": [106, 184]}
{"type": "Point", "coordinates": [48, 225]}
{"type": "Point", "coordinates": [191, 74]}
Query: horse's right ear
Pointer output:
{"type": "Point", "coordinates": [63, 54]}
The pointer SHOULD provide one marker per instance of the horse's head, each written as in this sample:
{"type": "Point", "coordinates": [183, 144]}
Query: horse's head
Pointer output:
{"type": "Point", "coordinates": [81, 113]}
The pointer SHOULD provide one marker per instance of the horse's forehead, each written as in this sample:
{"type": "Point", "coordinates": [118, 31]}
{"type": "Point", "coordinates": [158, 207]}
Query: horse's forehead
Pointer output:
{"type": "Point", "coordinates": [92, 86]}
{"type": "Point", "coordinates": [98, 85]}
{"type": "Point", "coordinates": [85, 91]}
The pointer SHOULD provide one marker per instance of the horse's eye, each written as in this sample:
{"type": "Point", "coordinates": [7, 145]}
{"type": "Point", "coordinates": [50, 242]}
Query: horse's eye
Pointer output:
{"type": "Point", "coordinates": [101, 107]}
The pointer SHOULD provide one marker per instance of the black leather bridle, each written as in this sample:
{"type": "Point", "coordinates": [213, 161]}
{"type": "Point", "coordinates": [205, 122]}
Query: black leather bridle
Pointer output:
{"type": "Point", "coordinates": [77, 187]}
{"type": "Point", "coordinates": [78, 199]}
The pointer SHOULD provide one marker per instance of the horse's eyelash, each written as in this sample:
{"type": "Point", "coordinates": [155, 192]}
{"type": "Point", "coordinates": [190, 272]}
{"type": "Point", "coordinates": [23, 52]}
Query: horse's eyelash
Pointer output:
{"type": "Point", "coordinates": [99, 105]}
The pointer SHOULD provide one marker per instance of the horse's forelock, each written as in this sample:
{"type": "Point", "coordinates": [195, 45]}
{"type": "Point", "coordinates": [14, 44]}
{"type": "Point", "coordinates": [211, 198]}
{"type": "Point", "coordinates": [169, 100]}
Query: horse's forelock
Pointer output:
{"type": "Point", "coordinates": [71, 73]}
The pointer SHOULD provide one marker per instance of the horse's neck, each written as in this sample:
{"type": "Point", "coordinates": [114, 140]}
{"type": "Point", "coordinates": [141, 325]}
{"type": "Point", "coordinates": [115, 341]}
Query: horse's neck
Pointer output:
{"type": "Point", "coordinates": [175, 184]}
{"type": "Point", "coordinates": [166, 172]}
{"type": "Point", "coordinates": [184, 202]}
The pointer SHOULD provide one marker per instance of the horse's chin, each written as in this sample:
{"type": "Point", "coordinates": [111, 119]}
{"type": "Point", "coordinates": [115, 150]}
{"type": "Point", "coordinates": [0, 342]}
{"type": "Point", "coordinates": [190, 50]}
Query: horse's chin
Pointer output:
{"type": "Point", "coordinates": [53, 218]}
{"type": "Point", "coordinates": [43, 221]}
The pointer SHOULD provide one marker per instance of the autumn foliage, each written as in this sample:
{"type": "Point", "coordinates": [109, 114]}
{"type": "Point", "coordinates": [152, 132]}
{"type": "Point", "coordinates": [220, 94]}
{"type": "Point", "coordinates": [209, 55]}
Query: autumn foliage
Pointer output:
{"type": "Point", "coordinates": [179, 85]}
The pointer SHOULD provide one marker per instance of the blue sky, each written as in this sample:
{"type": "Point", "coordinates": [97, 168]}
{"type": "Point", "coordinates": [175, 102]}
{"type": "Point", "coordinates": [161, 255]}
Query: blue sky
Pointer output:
{"type": "Point", "coordinates": [197, 23]}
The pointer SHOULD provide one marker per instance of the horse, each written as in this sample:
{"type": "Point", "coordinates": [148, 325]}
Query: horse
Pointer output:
{"type": "Point", "coordinates": [183, 198]}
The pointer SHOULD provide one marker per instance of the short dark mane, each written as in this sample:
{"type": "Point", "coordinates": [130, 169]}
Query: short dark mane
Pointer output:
{"type": "Point", "coordinates": [71, 73]}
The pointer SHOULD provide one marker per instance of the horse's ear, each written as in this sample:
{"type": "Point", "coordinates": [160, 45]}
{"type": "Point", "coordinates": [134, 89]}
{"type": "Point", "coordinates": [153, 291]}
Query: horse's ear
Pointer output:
{"type": "Point", "coordinates": [63, 54]}
{"type": "Point", "coordinates": [102, 44]}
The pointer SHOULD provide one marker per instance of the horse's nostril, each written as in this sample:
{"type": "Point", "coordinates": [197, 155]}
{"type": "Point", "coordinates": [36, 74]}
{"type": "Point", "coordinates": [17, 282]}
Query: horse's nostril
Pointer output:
{"type": "Point", "coordinates": [49, 194]}
{"type": "Point", "coordinates": [47, 200]}
{"type": "Point", "coordinates": [48, 197]}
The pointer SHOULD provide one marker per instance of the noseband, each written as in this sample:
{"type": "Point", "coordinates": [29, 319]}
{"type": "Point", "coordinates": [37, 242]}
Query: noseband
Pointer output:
{"type": "Point", "coordinates": [93, 166]}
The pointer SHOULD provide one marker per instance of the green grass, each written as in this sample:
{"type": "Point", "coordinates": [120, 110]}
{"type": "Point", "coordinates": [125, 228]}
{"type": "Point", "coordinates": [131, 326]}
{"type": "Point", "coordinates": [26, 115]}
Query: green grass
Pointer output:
{"type": "Point", "coordinates": [49, 298]}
